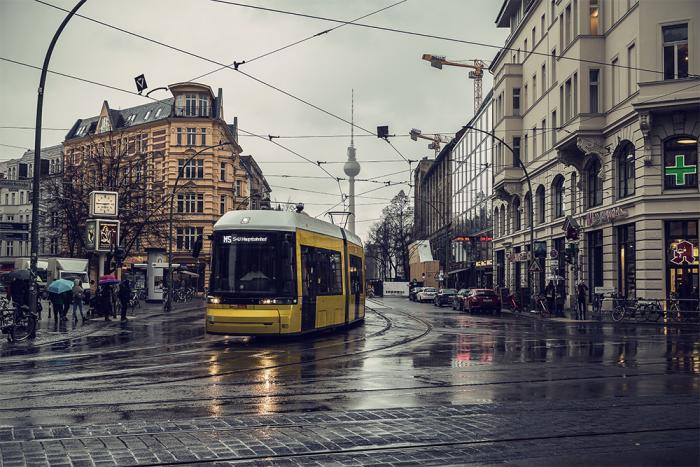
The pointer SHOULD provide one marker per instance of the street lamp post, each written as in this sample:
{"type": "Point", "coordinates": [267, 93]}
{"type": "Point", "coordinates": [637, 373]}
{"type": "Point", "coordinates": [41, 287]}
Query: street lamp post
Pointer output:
{"type": "Point", "coordinates": [529, 187]}
{"type": "Point", "coordinates": [169, 301]}
{"type": "Point", "coordinates": [36, 189]}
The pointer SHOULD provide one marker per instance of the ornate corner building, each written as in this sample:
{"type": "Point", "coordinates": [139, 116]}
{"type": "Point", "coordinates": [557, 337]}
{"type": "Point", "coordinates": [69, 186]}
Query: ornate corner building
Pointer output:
{"type": "Point", "coordinates": [600, 101]}
{"type": "Point", "coordinates": [139, 152]}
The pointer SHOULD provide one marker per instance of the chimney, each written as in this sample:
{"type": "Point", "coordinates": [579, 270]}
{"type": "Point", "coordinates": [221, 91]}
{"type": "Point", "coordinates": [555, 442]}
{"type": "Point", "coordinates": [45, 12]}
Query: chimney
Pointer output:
{"type": "Point", "coordinates": [220, 106]}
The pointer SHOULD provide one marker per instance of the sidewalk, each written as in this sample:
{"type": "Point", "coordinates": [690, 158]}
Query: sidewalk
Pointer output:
{"type": "Point", "coordinates": [48, 333]}
{"type": "Point", "coordinates": [570, 317]}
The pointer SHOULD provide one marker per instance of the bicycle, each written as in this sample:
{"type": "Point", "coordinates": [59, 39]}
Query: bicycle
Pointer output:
{"type": "Point", "coordinates": [514, 303]}
{"type": "Point", "coordinates": [648, 311]}
{"type": "Point", "coordinates": [542, 306]}
{"type": "Point", "coordinates": [623, 306]}
{"type": "Point", "coordinates": [17, 324]}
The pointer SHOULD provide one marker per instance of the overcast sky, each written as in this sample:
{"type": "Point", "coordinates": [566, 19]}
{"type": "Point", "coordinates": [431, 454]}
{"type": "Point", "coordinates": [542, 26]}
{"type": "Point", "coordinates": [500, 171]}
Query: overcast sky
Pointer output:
{"type": "Point", "coordinates": [393, 86]}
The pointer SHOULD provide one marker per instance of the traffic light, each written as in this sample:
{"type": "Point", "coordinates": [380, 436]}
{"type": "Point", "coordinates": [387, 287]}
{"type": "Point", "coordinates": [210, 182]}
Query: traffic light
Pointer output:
{"type": "Point", "coordinates": [197, 247]}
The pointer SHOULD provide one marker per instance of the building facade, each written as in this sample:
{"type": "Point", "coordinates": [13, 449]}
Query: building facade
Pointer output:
{"type": "Point", "coordinates": [258, 189]}
{"type": "Point", "coordinates": [599, 99]}
{"type": "Point", "coordinates": [140, 151]}
{"type": "Point", "coordinates": [433, 207]}
{"type": "Point", "coordinates": [16, 206]}
{"type": "Point", "coordinates": [472, 176]}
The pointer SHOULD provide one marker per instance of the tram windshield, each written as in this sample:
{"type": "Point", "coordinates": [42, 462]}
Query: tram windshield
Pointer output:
{"type": "Point", "coordinates": [250, 264]}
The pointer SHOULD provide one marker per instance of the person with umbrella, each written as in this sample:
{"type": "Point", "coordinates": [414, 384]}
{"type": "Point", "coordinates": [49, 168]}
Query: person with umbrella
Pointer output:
{"type": "Point", "coordinates": [124, 297]}
{"type": "Point", "coordinates": [61, 296]}
{"type": "Point", "coordinates": [107, 295]}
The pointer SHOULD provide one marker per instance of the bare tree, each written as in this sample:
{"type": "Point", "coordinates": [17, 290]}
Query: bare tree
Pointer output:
{"type": "Point", "coordinates": [389, 239]}
{"type": "Point", "coordinates": [120, 163]}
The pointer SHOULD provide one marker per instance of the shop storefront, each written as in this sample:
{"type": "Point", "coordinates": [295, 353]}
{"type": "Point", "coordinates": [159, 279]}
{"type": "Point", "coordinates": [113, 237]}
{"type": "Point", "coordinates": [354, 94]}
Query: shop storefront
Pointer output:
{"type": "Point", "coordinates": [626, 261]}
{"type": "Point", "coordinates": [594, 245]}
{"type": "Point", "coordinates": [682, 259]}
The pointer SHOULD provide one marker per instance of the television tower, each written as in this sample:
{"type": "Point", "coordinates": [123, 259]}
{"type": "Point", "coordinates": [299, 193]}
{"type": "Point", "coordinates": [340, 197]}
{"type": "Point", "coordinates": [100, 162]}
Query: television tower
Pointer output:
{"type": "Point", "coordinates": [352, 167]}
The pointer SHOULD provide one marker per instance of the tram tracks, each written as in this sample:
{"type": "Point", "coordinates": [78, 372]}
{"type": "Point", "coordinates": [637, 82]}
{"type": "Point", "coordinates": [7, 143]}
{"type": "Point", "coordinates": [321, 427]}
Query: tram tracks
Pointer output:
{"type": "Point", "coordinates": [215, 374]}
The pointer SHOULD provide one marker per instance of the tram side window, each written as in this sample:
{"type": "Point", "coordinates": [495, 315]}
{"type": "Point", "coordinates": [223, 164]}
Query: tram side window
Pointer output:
{"type": "Point", "coordinates": [356, 285]}
{"type": "Point", "coordinates": [321, 271]}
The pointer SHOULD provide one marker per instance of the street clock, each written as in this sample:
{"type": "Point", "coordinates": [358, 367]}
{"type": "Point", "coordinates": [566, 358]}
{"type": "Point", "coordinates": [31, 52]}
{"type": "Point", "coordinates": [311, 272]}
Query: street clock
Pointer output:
{"type": "Point", "coordinates": [104, 204]}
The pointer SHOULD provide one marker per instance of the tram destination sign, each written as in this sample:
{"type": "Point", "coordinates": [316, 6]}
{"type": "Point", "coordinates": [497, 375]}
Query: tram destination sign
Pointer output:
{"type": "Point", "coordinates": [244, 238]}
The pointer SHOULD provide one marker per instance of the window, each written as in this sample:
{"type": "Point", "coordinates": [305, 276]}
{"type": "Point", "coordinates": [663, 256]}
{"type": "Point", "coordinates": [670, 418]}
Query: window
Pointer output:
{"type": "Point", "coordinates": [194, 169]}
{"type": "Point", "coordinates": [21, 197]}
{"type": "Point", "coordinates": [534, 142]}
{"type": "Point", "coordinates": [631, 69]}
{"type": "Point", "coordinates": [567, 25]}
{"type": "Point", "coordinates": [593, 84]}
{"type": "Point", "coordinates": [356, 280]}
{"type": "Point", "coordinates": [594, 185]}
{"type": "Point", "coordinates": [54, 246]}
{"type": "Point", "coordinates": [544, 136]}
{"type": "Point", "coordinates": [554, 127]}
{"type": "Point", "coordinates": [534, 88]}
{"type": "Point", "coordinates": [203, 105]}
{"type": "Point", "coordinates": [544, 78]}
{"type": "Point", "coordinates": [54, 219]}
{"type": "Point", "coordinates": [204, 136]}
{"type": "Point", "coordinates": [191, 105]}
{"type": "Point", "coordinates": [558, 201]}
{"type": "Point", "coordinates": [574, 97]}
{"type": "Point", "coordinates": [626, 261]}
{"type": "Point", "coordinates": [525, 149]}
{"type": "Point", "coordinates": [553, 11]}
{"type": "Point", "coordinates": [191, 136]}
{"type": "Point", "coordinates": [160, 109]}
{"type": "Point", "coordinates": [594, 243]}
{"type": "Point", "coordinates": [681, 162]}
{"type": "Point", "coordinates": [516, 211]}
{"type": "Point", "coordinates": [534, 37]}
{"type": "Point", "coordinates": [186, 236]}
{"type": "Point", "coordinates": [625, 169]}
{"type": "Point", "coordinates": [14, 199]}
{"type": "Point", "coordinates": [9, 248]}
{"type": "Point", "coordinates": [148, 114]}
{"type": "Point", "coordinates": [675, 51]}
{"type": "Point", "coordinates": [525, 47]}
{"type": "Point", "coordinates": [554, 66]}
{"type": "Point", "coordinates": [567, 100]}
{"type": "Point", "coordinates": [540, 204]}
{"type": "Point", "coordinates": [321, 272]}
{"type": "Point", "coordinates": [222, 204]}
{"type": "Point", "coordinates": [222, 172]}
{"type": "Point", "coordinates": [238, 190]}
{"type": "Point", "coordinates": [542, 26]}
{"type": "Point", "coordinates": [615, 88]}
{"type": "Point", "coordinates": [594, 15]}
{"type": "Point", "coordinates": [528, 209]}
{"type": "Point", "coordinates": [190, 202]}
{"type": "Point", "coordinates": [516, 101]}
{"type": "Point", "coordinates": [516, 151]}
{"type": "Point", "coordinates": [179, 136]}
{"type": "Point", "coordinates": [525, 97]}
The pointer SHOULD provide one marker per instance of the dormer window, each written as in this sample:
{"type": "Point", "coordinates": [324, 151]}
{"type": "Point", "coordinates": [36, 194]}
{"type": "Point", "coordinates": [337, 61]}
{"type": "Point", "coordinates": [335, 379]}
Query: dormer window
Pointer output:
{"type": "Point", "coordinates": [131, 119]}
{"type": "Point", "coordinates": [148, 114]}
{"type": "Point", "coordinates": [192, 105]}
{"type": "Point", "coordinates": [158, 112]}
{"type": "Point", "coordinates": [203, 105]}
{"type": "Point", "coordinates": [104, 125]}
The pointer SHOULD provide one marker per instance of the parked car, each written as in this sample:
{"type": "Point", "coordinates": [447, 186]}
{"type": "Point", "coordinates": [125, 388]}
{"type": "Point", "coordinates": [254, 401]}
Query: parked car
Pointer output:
{"type": "Point", "coordinates": [412, 293]}
{"type": "Point", "coordinates": [459, 298]}
{"type": "Point", "coordinates": [483, 300]}
{"type": "Point", "coordinates": [444, 297]}
{"type": "Point", "coordinates": [426, 295]}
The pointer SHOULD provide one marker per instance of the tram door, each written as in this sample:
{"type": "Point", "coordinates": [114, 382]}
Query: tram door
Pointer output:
{"type": "Point", "coordinates": [309, 289]}
{"type": "Point", "coordinates": [355, 284]}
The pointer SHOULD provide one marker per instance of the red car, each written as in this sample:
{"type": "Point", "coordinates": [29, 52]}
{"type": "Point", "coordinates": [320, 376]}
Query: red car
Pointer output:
{"type": "Point", "coordinates": [483, 300]}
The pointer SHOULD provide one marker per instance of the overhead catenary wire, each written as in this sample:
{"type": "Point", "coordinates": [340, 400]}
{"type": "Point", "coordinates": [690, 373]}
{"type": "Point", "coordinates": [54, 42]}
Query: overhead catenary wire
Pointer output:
{"type": "Point", "coordinates": [313, 36]}
{"type": "Point", "coordinates": [429, 36]}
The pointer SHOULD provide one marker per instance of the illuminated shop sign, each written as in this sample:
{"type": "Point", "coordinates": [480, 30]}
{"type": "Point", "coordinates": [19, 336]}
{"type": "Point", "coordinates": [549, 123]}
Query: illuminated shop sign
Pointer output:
{"type": "Point", "coordinates": [683, 252]}
{"type": "Point", "coordinates": [466, 238]}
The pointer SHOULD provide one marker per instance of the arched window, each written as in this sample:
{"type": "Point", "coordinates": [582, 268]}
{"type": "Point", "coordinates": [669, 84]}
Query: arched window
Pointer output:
{"type": "Point", "coordinates": [594, 184]}
{"type": "Point", "coordinates": [516, 214]}
{"type": "Point", "coordinates": [540, 204]}
{"type": "Point", "coordinates": [558, 203]}
{"type": "Point", "coordinates": [496, 226]}
{"type": "Point", "coordinates": [625, 169]}
{"type": "Point", "coordinates": [528, 209]}
{"type": "Point", "coordinates": [681, 162]}
{"type": "Point", "coordinates": [503, 221]}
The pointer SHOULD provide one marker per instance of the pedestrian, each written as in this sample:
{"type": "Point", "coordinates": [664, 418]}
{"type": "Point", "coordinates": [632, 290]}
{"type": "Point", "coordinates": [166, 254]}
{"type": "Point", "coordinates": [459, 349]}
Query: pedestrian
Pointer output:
{"type": "Point", "coordinates": [105, 301]}
{"type": "Point", "coordinates": [124, 297]}
{"type": "Point", "coordinates": [78, 300]}
{"type": "Point", "coordinates": [582, 292]}
{"type": "Point", "coordinates": [550, 292]}
{"type": "Point", "coordinates": [67, 300]}
{"type": "Point", "coordinates": [56, 301]}
{"type": "Point", "coordinates": [19, 292]}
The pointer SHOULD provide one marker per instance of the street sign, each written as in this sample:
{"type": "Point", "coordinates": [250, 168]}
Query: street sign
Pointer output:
{"type": "Point", "coordinates": [553, 253]}
{"type": "Point", "coordinates": [535, 266]}
{"type": "Point", "coordinates": [140, 83]}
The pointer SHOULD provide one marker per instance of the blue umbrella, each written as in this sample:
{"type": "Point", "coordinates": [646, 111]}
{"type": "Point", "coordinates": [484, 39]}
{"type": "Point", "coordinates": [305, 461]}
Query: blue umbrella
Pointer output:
{"type": "Point", "coordinates": [60, 286]}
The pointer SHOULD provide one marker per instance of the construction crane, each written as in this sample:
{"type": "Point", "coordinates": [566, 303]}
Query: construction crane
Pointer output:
{"type": "Point", "coordinates": [436, 139]}
{"type": "Point", "coordinates": [477, 73]}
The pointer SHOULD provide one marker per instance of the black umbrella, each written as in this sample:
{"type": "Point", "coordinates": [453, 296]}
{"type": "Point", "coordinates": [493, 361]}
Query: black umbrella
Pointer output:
{"type": "Point", "coordinates": [19, 274]}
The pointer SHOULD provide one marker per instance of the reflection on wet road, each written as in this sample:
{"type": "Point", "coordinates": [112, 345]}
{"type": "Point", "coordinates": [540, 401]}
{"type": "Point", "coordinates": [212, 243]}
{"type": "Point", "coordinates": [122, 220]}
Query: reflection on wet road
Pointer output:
{"type": "Point", "coordinates": [406, 355]}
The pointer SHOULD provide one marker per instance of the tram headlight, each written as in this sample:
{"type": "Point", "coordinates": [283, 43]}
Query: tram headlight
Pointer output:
{"type": "Point", "coordinates": [213, 300]}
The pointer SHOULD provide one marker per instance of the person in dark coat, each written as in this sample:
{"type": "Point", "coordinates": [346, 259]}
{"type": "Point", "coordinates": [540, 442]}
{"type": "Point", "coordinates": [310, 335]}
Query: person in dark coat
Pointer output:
{"type": "Point", "coordinates": [104, 297]}
{"type": "Point", "coordinates": [549, 292]}
{"type": "Point", "coordinates": [67, 300]}
{"type": "Point", "coordinates": [582, 292]}
{"type": "Point", "coordinates": [57, 305]}
{"type": "Point", "coordinates": [124, 297]}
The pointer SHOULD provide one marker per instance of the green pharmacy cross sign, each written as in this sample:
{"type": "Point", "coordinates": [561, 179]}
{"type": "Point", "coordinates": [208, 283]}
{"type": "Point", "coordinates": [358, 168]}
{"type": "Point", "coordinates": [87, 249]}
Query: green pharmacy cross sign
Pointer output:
{"type": "Point", "coordinates": [680, 170]}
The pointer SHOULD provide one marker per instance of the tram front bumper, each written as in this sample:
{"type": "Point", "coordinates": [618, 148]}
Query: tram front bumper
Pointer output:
{"type": "Point", "coordinates": [244, 322]}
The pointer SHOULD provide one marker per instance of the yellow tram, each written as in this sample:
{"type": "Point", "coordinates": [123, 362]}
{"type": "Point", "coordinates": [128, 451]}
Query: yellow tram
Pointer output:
{"type": "Point", "coordinates": [277, 272]}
